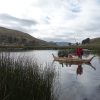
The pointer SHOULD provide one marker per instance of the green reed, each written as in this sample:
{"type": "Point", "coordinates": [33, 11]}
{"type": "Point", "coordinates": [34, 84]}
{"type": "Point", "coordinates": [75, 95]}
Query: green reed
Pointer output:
{"type": "Point", "coordinates": [23, 79]}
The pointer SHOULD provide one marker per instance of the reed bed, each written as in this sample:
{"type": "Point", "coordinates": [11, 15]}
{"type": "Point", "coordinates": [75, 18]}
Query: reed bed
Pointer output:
{"type": "Point", "coordinates": [23, 79]}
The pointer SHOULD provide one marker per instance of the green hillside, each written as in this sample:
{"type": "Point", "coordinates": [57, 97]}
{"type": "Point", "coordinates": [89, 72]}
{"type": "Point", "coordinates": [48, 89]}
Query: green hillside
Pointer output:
{"type": "Point", "coordinates": [93, 44]}
{"type": "Point", "coordinates": [91, 41]}
{"type": "Point", "coordinates": [9, 37]}
{"type": "Point", "coordinates": [95, 40]}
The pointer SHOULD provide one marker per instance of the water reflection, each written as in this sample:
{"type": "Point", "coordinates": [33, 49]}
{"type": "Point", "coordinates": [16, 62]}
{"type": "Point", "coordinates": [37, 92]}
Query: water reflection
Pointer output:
{"type": "Point", "coordinates": [79, 70]}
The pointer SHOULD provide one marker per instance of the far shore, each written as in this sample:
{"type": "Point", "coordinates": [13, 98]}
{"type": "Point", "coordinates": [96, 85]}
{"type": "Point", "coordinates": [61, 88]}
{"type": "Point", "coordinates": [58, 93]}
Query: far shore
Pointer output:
{"type": "Point", "coordinates": [88, 46]}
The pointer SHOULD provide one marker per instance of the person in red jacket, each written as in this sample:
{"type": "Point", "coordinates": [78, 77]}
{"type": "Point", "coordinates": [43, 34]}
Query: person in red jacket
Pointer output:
{"type": "Point", "coordinates": [79, 52]}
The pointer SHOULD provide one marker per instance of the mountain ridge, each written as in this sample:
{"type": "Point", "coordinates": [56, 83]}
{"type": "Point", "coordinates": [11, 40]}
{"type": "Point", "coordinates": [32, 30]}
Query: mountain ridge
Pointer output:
{"type": "Point", "coordinates": [14, 37]}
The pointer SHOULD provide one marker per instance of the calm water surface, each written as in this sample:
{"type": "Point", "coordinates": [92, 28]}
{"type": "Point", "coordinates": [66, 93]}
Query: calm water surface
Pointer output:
{"type": "Point", "coordinates": [75, 82]}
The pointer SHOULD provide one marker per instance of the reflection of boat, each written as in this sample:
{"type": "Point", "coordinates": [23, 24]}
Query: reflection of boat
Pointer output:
{"type": "Point", "coordinates": [72, 60]}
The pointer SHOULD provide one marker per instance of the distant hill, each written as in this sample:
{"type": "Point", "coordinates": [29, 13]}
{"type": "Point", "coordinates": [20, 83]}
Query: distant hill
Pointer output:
{"type": "Point", "coordinates": [91, 41]}
{"type": "Point", "coordinates": [63, 43]}
{"type": "Point", "coordinates": [11, 37]}
{"type": "Point", "coordinates": [95, 40]}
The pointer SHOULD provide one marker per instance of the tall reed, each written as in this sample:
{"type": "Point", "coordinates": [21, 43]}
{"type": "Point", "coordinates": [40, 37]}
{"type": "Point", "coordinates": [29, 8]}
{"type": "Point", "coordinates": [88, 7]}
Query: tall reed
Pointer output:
{"type": "Point", "coordinates": [22, 79]}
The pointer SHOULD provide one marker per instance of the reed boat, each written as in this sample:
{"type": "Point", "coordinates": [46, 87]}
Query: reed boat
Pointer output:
{"type": "Point", "coordinates": [72, 60]}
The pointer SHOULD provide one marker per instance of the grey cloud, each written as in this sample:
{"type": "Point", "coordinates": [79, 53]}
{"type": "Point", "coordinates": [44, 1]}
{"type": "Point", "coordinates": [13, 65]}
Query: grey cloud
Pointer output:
{"type": "Point", "coordinates": [24, 22]}
{"type": "Point", "coordinates": [93, 26]}
{"type": "Point", "coordinates": [62, 20]}
{"type": "Point", "coordinates": [65, 34]}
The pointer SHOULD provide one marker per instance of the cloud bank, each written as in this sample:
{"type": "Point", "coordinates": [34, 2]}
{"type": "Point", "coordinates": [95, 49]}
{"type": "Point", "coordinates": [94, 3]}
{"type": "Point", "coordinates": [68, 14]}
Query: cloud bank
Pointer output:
{"type": "Point", "coordinates": [53, 20]}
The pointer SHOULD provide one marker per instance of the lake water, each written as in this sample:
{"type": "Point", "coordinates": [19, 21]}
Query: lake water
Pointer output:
{"type": "Point", "coordinates": [74, 82]}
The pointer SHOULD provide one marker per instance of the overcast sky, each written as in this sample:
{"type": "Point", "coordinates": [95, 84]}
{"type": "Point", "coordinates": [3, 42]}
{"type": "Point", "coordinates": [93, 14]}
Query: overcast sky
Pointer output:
{"type": "Point", "coordinates": [53, 20]}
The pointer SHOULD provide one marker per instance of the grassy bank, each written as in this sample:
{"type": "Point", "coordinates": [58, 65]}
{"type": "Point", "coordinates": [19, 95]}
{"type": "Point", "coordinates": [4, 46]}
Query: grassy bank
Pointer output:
{"type": "Point", "coordinates": [22, 79]}
{"type": "Point", "coordinates": [94, 47]}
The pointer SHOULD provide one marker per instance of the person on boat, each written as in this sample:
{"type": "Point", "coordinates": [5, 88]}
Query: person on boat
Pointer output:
{"type": "Point", "coordinates": [69, 55]}
{"type": "Point", "coordinates": [79, 52]}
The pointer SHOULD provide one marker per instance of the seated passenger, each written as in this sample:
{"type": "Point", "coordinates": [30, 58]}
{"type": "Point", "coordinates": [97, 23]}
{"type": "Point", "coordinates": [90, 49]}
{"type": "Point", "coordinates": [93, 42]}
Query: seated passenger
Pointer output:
{"type": "Point", "coordinates": [70, 56]}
